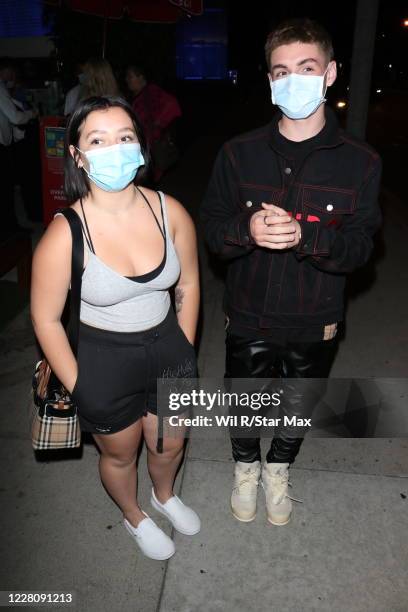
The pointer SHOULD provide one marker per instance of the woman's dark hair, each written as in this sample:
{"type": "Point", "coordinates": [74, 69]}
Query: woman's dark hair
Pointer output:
{"type": "Point", "coordinates": [76, 182]}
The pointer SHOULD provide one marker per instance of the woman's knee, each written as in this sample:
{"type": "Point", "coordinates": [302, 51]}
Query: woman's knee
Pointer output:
{"type": "Point", "coordinates": [117, 459]}
{"type": "Point", "coordinates": [116, 455]}
{"type": "Point", "coordinates": [122, 447]}
{"type": "Point", "coordinates": [171, 450]}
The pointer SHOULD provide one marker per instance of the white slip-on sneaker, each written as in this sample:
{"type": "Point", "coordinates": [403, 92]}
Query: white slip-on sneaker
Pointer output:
{"type": "Point", "coordinates": [152, 541]}
{"type": "Point", "coordinates": [182, 517]}
{"type": "Point", "coordinates": [244, 492]}
{"type": "Point", "coordinates": [275, 482]}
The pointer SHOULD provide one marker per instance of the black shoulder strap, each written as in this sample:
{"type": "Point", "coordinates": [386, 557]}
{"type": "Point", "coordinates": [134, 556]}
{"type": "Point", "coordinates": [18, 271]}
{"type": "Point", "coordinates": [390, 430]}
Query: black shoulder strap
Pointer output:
{"type": "Point", "coordinates": [162, 213]}
{"type": "Point", "coordinates": [162, 231]}
{"type": "Point", "coordinates": [77, 261]}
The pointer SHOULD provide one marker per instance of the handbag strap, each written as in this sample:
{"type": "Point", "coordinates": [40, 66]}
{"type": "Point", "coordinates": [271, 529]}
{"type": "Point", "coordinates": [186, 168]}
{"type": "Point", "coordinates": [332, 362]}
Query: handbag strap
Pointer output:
{"type": "Point", "coordinates": [77, 260]}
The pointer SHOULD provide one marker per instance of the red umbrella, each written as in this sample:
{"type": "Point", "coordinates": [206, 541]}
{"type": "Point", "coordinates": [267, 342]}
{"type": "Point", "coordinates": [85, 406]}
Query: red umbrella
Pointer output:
{"type": "Point", "coordinates": [139, 10]}
{"type": "Point", "coordinates": [156, 11]}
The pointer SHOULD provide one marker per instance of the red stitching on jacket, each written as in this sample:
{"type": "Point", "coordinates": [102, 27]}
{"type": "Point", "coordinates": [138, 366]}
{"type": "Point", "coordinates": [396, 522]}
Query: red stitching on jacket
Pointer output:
{"type": "Point", "coordinates": [351, 192]}
{"type": "Point", "coordinates": [338, 210]}
{"type": "Point", "coordinates": [230, 154]}
{"type": "Point", "coordinates": [281, 281]}
{"type": "Point", "coordinates": [359, 145]}
{"type": "Point", "coordinates": [252, 275]}
{"type": "Point", "coordinates": [370, 166]}
{"type": "Point", "coordinates": [315, 241]}
{"type": "Point", "coordinates": [267, 285]}
{"type": "Point", "coordinates": [258, 186]}
{"type": "Point", "coordinates": [321, 188]}
{"type": "Point", "coordinates": [317, 293]}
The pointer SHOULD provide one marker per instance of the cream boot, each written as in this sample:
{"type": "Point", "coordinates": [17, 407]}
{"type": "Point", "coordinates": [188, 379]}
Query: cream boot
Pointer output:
{"type": "Point", "coordinates": [275, 482]}
{"type": "Point", "coordinates": [243, 498]}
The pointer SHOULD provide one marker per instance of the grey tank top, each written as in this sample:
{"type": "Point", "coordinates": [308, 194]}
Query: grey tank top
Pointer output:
{"type": "Point", "coordinates": [128, 304]}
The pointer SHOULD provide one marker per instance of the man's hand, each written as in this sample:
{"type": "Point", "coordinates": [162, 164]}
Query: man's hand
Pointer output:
{"type": "Point", "coordinates": [273, 228]}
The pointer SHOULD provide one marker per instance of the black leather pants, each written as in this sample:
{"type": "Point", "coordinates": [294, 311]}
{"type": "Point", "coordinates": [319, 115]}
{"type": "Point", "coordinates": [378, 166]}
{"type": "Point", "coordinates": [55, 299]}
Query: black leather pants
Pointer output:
{"type": "Point", "coordinates": [246, 358]}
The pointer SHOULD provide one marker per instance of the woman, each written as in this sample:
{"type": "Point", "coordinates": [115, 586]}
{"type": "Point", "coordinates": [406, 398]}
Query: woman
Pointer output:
{"type": "Point", "coordinates": [138, 244]}
{"type": "Point", "coordinates": [98, 79]}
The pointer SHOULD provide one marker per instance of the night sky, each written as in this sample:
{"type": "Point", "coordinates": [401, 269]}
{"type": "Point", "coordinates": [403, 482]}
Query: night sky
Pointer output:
{"type": "Point", "coordinates": [250, 22]}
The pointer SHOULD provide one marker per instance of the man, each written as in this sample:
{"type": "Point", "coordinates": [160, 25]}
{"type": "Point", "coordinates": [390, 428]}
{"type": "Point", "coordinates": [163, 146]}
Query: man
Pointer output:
{"type": "Point", "coordinates": [158, 112]}
{"type": "Point", "coordinates": [293, 207]}
{"type": "Point", "coordinates": [10, 116]}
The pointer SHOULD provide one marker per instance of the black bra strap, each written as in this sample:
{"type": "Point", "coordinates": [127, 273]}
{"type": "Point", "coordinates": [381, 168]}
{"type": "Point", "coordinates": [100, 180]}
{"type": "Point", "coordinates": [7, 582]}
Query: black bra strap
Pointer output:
{"type": "Point", "coordinates": [162, 213]}
{"type": "Point", "coordinates": [162, 231]}
{"type": "Point", "coordinates": [87, 233]}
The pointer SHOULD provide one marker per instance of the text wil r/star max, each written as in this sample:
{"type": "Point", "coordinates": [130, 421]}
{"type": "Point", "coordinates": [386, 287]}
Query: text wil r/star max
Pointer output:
{"type": "Point", "coordinates": [239, 421]}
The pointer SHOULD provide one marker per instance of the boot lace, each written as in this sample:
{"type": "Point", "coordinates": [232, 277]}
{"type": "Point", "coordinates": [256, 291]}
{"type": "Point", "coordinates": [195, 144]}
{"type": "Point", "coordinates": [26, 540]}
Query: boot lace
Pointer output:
{"type": "Point", "coordinates": [245, 484]}
{"type": "Point", "coordinates": [279, 484]}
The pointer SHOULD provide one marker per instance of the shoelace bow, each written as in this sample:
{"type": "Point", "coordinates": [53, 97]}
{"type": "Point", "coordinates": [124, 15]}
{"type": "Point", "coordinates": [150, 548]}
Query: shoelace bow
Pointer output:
{"type": "Point", "coordinates": [281, 482]}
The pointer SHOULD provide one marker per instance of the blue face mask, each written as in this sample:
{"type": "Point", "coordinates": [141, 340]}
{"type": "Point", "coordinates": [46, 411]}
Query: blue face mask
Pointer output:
{"type": "Point", "coordinates": [113, 168]}
{"type": "Point", "coordinates": [298, 95]}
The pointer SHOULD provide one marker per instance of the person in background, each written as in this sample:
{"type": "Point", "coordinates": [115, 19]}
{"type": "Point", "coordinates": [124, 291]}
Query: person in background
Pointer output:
{"type": "Point", "coordinates": [157, 111]}
{"type": "Point", "coordinates": [74, 94]}
{"type": "Point", "coordinates": [26, 154]}
{"type": "Point", "coordinates": [98, 79]}
{"type": "Point", "coordinates": [10, 116]}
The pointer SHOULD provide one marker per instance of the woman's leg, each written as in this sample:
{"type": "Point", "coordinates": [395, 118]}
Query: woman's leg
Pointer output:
{"type": "Point", "coordinates": [117, 467]}
{"type": "Point", "coordinates": [162, 466]}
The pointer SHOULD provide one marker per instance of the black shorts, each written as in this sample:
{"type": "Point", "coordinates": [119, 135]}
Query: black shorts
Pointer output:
{"type": "Point", "coordinates": [118, 371]}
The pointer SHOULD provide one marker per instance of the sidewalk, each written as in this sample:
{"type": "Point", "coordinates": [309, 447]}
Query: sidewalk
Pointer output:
{"type": "Point", "coordinates": [346, 547]}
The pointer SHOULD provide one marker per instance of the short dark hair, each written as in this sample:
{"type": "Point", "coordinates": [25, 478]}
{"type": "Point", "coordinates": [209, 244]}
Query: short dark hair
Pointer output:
{"type": "Point", "coordinates": [138, 70]}
{"type": "Point", "coordinates": [76, 182]}
{"type": "Point", "coordinates": [6, 64]}
{"type": "Point", "coordinates": [302, 30]}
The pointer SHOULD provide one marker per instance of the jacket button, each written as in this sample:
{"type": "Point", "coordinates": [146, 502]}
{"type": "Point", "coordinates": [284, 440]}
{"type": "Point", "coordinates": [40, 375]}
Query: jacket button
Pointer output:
{"type": "Point", "coordinates": [329, 207]}
{"type": "Point", "coordinates": [248, 204]}
{"type": "Point", "coordinates": [288, 170]}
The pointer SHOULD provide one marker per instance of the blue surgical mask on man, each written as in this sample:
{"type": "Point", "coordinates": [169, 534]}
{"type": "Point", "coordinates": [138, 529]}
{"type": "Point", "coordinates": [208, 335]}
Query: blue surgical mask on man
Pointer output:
{"type": "Point", "coordinates": [113, 168]}
{"type": "Point", "coordinates": [298, 95]}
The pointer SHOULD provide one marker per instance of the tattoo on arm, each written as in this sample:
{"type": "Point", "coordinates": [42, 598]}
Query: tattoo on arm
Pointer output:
{"type": "Point", "coordinates": [179, 297]}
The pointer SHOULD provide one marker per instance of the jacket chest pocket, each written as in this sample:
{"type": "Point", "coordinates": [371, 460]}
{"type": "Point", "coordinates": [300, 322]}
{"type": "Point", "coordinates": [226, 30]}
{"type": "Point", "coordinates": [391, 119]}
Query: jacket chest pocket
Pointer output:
{"type": "Point", "coordinates": [251, 196]}
{"type": "Point", "coordinates": [327, 205]}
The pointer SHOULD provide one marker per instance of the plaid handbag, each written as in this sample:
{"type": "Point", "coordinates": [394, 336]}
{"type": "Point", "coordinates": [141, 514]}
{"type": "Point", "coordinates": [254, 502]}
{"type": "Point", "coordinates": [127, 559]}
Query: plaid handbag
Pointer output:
{"type": "Point", "coordinates": [54, 419]}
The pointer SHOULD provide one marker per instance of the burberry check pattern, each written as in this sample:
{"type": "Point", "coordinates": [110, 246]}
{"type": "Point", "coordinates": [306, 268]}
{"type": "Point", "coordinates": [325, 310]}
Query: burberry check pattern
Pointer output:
{"type": "Point", "coordinates": [50, 432]}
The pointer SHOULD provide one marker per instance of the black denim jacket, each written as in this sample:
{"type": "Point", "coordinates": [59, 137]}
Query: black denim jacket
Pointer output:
{"type": "Point", "coordinates": [334, 196]}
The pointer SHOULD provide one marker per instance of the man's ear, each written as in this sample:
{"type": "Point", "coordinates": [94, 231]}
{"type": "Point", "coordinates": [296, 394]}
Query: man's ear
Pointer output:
{"type": "Point", "coordinates": [331, 73]}
{"type": "Point", "coordinates": [76, 156]}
